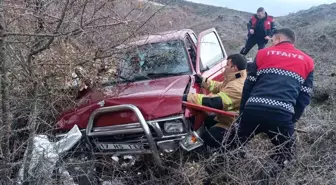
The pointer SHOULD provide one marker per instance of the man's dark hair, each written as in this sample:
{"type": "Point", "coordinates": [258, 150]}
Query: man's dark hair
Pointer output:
{"type": "Point", "coordinates": [287, 32]}
{"type": "Point", "coordinates": [238, 60]}
{"type": "Point", "coordinates": [261, 9]}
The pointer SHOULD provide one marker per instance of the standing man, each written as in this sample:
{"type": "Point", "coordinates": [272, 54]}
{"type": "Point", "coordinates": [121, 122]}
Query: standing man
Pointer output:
{"type": "Point", "coordinates": [224, 95]}
{"type": "Point", "coordinates": [277, 90]}
{"type": "Point", "coordinates": [260, 29]}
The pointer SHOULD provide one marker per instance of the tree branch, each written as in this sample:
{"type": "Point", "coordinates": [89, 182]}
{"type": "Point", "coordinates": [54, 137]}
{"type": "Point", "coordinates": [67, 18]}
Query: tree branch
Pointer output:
{"type": "Point", "coordinates": [82, 15]}
{"type": "Point", "coordinates": [32, 34]}
{"type": "Point", "coordinates": [5, 102]}
{"type": "Point", "coordinates": [133, 33]}
{"type": "Point", "coordinates": [76, 31]}
{"type": "Point", "coordinates": [52, 38]}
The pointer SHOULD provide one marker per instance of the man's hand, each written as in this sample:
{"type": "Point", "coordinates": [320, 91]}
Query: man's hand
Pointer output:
{"type": "Point", "coordinates": [267, 37]}
{"type": "Point", "coordinates": [198, 79]}
{"type": "Point", "coordinates": [252, 31]}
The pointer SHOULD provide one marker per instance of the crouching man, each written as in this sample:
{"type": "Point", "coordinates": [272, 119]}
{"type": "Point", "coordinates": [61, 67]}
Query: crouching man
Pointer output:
{"type": "Point", "coordinates": [224, 95]}
{"type": "Point", "coordinates": [275, 95]}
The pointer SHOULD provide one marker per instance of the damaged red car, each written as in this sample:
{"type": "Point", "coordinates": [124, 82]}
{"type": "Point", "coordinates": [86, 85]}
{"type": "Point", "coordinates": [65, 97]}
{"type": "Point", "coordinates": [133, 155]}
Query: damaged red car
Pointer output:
{"type": "Point", "coordinates": [141, 110]}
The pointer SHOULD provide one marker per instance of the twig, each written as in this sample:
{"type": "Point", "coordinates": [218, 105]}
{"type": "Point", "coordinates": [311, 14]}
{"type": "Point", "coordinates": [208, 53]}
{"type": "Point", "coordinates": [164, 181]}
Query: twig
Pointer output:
{"type": "Point", "coordinates": [32, 34]}
{"type": "Point", "coordinates": [82, 15]}
{"type": "Point", "coordinates": [133, 33]}
{"type": "Point", "coordinates": [300, 131]}
{"type": "Point", "coordinates": [56, 30]}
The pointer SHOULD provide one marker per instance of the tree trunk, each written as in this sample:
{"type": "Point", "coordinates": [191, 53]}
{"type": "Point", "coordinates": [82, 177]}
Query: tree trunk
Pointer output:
{"type": "Point", "coordinates": [32, 125]}
{"type": "Point", "coordinates": [5, 109]}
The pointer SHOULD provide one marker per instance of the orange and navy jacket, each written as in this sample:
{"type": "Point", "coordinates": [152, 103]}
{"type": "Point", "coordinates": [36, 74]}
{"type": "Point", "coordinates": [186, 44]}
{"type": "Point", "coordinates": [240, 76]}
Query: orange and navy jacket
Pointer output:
{"type": "Point", "coordinates": [268, 25]}
{"type": "Point", "coordinates": [280, 79]}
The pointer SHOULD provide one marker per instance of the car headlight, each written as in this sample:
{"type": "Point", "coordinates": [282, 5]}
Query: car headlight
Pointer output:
{"type": "Point", "coordinates": [173, 126]}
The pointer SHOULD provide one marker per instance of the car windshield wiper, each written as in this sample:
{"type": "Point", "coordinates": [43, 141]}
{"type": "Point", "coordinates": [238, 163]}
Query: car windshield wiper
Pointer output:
{"type": "Point", "coordinates": [128, 80]}
{"type": "Point", "coordinates": [148, 76]}
{"type": "Point", "coordinates": [112, 82]}
{"type": "Point", "coordinates": [140, 77]}
{"type": "Point", "coordinates": [165, 74]}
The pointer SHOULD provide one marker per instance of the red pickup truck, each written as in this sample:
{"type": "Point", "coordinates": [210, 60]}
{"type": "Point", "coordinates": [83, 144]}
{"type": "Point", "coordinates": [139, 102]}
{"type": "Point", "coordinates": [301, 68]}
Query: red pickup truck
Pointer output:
{"type": "Point", "coordinates": [141, 110]}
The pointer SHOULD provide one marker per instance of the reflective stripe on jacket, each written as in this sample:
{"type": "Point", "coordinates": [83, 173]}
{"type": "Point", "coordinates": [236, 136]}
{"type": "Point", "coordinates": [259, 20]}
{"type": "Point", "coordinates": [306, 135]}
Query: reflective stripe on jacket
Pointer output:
{"type": "Point", "coordinates": [280, 80]}
{"type": "Point", "coordinates": [229, 91]}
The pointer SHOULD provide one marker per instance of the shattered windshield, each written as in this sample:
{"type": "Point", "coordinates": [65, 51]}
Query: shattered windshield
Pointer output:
{"type": "Point", "coordinates": [153, 61]}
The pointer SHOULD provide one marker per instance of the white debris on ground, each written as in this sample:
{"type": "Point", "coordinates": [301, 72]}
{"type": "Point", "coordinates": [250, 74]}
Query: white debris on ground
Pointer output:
{"type": "Point", "coordinates": [125, 161]}
{"type": "Point", "coordinates": [45, 154]}
{"type": "Point", "coordinates": [131, 162]}
{"type": "Point", "coordinates": [113, 182]}
{"type": "Point", "coordinates": [66, 177]}
{"type": "Point", "coordinates": [115, 158]}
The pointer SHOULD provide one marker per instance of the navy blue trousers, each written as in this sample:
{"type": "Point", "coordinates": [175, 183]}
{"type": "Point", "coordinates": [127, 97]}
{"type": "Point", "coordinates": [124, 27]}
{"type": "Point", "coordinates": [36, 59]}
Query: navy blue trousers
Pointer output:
{"type": "Point", "coordinates": [251, 41]}
{"type": "Point", "coordinates": [213, 136]}
{"type": "Point", "coordinates": [279, 128]}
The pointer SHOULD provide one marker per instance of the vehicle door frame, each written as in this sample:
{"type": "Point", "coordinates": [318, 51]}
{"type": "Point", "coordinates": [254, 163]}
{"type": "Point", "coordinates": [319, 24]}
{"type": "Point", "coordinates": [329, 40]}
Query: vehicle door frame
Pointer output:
{"type": "Point", "coordinates": [186, 38]}
{"type": "Point", "coordinates": [216, 70]}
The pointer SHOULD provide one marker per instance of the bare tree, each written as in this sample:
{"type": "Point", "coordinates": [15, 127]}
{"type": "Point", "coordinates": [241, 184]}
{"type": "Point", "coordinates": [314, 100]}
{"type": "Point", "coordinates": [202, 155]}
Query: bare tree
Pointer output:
{"type": "Point", "coordinates": [5, 110]}
{"type": "Point", "coordinates": [42, 42]}
{"type": "Point", "coordinates": [4, 82]}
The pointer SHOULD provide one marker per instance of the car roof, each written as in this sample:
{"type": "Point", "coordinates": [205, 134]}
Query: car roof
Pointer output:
{"type": "Point", "coordinates": [158, 37]}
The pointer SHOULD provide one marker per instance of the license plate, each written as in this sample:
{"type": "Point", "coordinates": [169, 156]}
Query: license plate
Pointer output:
{"type": "Point", "coordinates": [104, 146]}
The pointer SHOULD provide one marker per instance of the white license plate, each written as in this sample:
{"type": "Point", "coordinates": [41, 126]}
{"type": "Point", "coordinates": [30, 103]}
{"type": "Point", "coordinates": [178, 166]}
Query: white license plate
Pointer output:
{"type": "Point", "coordinates": [104, 146]}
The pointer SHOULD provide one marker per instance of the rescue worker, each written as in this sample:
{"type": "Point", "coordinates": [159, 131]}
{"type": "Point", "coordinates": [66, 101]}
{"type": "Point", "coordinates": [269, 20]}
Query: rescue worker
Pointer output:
{"type": "Point", "coordinates": [260, 29]}
{"type": "Point", "coordinates": [224, 95]}
{"type": "Point", "coordinates": [277, 90]}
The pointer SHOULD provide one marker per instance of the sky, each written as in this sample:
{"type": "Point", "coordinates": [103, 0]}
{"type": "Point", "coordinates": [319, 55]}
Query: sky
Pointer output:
{"type": "Point", "coordinates": [272, 7]}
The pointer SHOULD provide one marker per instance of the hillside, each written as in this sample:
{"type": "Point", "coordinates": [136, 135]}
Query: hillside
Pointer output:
{"type": "Point", "coordinates": [230, 24]}
{"type": "Point", "coordinates": [42, 54]}
{"type": "Point", "coordinates": [315, 29]}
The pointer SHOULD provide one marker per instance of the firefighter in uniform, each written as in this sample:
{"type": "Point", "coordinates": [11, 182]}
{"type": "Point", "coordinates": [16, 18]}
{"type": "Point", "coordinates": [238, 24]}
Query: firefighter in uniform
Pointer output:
{"type": "Point", "coordinates": [277, 90]}
{"type": "Point", "coordinates": [260, 29]}
{"type": "Point", "coordinates": [224, 95]}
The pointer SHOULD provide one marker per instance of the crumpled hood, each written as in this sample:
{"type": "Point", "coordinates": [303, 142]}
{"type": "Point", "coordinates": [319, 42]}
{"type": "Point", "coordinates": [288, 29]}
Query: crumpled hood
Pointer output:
{"type": "Point", "coordinates": [155, 98]}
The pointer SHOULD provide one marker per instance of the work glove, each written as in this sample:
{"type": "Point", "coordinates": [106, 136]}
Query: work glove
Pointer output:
{"type": "Point", "coordinates": [198, 79]}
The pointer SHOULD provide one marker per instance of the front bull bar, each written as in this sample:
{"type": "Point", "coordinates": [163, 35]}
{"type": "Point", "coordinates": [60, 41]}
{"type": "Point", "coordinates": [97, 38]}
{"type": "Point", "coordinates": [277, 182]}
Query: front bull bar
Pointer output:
{"type": "Point", "coordinates": [141, 119]}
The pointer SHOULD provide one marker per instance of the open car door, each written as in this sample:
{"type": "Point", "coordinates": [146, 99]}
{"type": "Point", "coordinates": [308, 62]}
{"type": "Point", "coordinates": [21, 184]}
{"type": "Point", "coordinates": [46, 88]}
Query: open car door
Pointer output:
{"type": "Point", "coordinates": [211, 56]}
